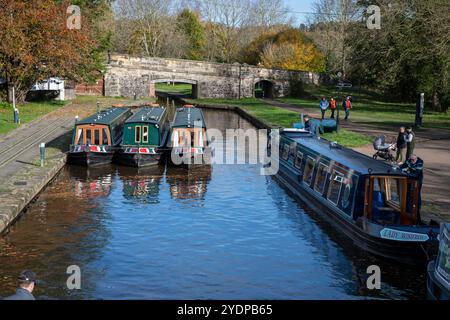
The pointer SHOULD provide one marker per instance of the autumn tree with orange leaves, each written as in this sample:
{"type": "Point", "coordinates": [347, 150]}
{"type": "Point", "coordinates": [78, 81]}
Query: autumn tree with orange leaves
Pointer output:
{"type": "Point", "coordinates": [286, 49]}
{"type": "Point", "coordinates": [36, 43]}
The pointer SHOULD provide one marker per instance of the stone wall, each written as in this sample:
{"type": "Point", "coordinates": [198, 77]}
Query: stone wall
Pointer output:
{"type": "Point", "coordinates": [129, 76]}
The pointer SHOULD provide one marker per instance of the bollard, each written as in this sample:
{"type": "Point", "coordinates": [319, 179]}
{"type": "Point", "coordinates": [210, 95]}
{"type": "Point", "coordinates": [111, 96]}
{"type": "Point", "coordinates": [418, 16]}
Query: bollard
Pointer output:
{"type": "Point", "coordinates": [42, 153]}
{"type": "Point", "coordinates": [76, 119]}
{"type": "Point", "coordinates": [98, 107]}
{"type": "Point", "coordinates": [16, 116]}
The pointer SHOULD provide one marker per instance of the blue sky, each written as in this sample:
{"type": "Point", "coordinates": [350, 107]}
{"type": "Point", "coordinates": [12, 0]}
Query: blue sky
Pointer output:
{"type": "Point", "coordinates": [301, 6]}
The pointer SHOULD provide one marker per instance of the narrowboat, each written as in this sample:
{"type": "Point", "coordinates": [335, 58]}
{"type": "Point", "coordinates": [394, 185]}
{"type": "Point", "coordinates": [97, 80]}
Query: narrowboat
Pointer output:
{"type": "Point", "coordinates": [188, 143]}
{"type": "Point", "coordinates": [96, 138]}
{"type": "Point", "coordinates": [374, 204]}
{"type": "Point", "coordinates": [144, 138]}
{"type": "Point", "coordinates": [438, 282]}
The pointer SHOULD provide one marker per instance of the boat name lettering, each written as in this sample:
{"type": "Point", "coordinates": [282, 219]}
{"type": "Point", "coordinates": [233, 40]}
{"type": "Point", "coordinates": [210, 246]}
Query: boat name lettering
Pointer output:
{"type": "Point", "coordinates": [398, 235]}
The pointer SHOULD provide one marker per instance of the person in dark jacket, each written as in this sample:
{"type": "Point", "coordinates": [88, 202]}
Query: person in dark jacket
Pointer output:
{"type": "Point", "coordinates": [401, 146]}
{"type": "Point", "coordinates": [410, 142]}
{"type": "Point", "coordinates": [414, 168]}
{"type": "Point", "coordinates": [26, 281]}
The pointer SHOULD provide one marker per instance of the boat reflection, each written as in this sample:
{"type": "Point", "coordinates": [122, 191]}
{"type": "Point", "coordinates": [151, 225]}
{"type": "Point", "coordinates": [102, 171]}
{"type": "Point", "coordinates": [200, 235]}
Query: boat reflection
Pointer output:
{"type": "Point", "coordinates": [91, 182]}
{"type": "Point", "coordinates": [141, 184]}
{"type": "Point", "coordinates": [188, 184]}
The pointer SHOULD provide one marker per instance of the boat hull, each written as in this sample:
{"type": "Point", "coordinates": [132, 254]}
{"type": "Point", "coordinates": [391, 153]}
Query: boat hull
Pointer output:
{"type": "Point", "coordinates": [89, 158]}
{"type": "Point", "coordinates": [190, 159]}
{"type": "Point", "coordinates": [139, 160]}
{"type": "Point", "coordinates": [435, 290]}
{"type": "Point", "coordinates": [407, 252]}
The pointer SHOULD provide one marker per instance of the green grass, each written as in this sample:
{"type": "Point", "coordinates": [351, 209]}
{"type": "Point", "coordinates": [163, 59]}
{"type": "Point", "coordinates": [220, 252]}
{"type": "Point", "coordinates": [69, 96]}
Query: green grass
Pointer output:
{"type": "Point", "coordinates": [370, 109]}
{"type": "Point", "coordinates": [285, 118]}
{"type": "Point", "coordinates": [180, 88]}
{"type": "Point", "coordinates": [27, 112]}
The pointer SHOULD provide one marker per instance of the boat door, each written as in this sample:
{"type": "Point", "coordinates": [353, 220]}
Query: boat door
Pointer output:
{"type": "Point", "coordinates": [391, 200]}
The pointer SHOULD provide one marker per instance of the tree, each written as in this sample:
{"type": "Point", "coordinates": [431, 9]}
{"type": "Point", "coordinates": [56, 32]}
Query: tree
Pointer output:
{"type": "Point", "coordinates": [330, 28]}
{"type": "Point", "coordinates": [287, 49]}
{"type": "Point", "coordinates": [190, 25]}
{"type": "Point", "coordinates": [36, 44]}
{"type": "Point", "coordinates": [409, 54]}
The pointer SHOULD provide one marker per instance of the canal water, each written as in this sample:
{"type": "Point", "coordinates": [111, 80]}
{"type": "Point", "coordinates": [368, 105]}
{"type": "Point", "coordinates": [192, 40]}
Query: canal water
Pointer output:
{"type": "Point", "coordinates": [221, 232]}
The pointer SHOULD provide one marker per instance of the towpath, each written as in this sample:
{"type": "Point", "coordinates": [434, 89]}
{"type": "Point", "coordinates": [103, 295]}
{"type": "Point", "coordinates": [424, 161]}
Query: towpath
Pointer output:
{"type": "Point", "coordinates": [20, 148]}
{"type": "Point", "coordinates": [432, 145]}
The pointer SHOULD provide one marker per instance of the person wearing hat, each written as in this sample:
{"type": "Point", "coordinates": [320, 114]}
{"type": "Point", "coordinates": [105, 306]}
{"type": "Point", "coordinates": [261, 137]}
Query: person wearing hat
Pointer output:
{"type": "Point", "coordinates": [26, 281]}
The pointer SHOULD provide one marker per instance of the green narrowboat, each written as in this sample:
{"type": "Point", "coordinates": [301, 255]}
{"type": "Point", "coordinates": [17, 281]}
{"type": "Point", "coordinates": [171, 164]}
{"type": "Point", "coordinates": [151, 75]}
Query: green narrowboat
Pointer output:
{"type": "Point", "coordinates": [145, 137]}
{"type": "Point", "coordinates": [96, 138]}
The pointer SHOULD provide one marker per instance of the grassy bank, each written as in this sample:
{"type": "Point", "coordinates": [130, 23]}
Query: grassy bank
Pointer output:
{"type": "Point", "coordinates": [27, 111]}
{"type": "Point", "coordinates": [82, 106]}
{"type": "Point", "coordinates": [285, 118]}
{"type": "Point", "coordinates": [370, 109]}
{"type": "Point", "coordinates": [179, 88]}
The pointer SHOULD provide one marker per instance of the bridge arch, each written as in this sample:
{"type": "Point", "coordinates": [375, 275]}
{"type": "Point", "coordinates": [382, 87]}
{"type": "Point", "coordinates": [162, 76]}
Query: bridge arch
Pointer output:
{"type": "Point", "coordinates": [194, 84]}
{"type": "Point", "coordinates": [264, 89]}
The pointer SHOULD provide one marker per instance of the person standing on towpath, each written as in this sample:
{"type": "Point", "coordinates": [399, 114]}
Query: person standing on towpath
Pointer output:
{"type": "Point", "coordinates": [323, 106]}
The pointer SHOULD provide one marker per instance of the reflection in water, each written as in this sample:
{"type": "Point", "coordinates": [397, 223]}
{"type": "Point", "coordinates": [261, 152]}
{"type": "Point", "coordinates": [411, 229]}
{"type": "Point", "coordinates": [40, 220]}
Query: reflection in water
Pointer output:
{"type": "Point", "coordinates": [188, 184]}
{"type": "Point", "coordinates": [65, 226]}
{"type": "Point", "coordinates": [91, 182]}
{"type": "Point", "coordinates": [217, 232]}
{"type": "Point", "coordinates": [141, 184]}
{"type": "Point", "coordinates": [350, 262]}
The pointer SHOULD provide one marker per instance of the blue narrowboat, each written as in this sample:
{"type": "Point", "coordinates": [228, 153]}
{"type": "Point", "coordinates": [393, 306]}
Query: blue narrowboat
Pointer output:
{"type": "Point", "coordinates": [438, 283]}
{"type": "Point", "coordinates": [96, 138]}
{"type": "Point", "coordinates": [144, 138]}
{"type": "Point", "coordinates": [373, 203]}
{"type": "Point", "coordinates": [188, 143]}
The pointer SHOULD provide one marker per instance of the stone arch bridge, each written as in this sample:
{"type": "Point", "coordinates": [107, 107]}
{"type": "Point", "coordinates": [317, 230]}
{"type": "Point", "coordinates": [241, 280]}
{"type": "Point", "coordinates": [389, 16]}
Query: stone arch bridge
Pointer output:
{"type": "Point", "coordinates": [129, 76]}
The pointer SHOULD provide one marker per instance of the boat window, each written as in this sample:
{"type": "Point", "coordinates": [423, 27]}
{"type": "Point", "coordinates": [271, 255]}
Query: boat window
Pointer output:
{"type": "Point", "coordinates": [96, 136]}
{"type": "Point", "coordinates": [285, 152]}
{"type": "Point", "coordinates": [137, 134]}
{"type": "Point", "coordinates": [104, 137]}
{"type": "Point", "coordinates": [391, 200]}
{"type": "Point", "coordinates": [145, 134]}
{"type": "Point", "coordinates": [78, 137]}
{"type": "Point", "coordinates": [321, 178]}
{"type": "Point", "coordinates": [443, 260]}
{"type": "Point", "coordinates": [298, 160]}
{"type": "Point", "coordinates": [308, 172]}
{"type": "Point", "coordinates": [193, 139]}
{"type": "Point", "coordinates": [292, 147]}
{"type": "Point", "coordinates": [88, 136]}
{"type": "Point", "coordinates": [334, 190]}
{"type": "Point", "coordinates": [346, 196]}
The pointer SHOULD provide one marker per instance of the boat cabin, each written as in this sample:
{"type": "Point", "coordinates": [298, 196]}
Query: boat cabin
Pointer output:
{"type": "Point", "coordinates": [356, 186]}
{"type": "Point", "coordinates": [188, 128]}
{"type": "Point", "coordinates": [146, 127]}
{"type": "Point", "coordinates": [102, 129]}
